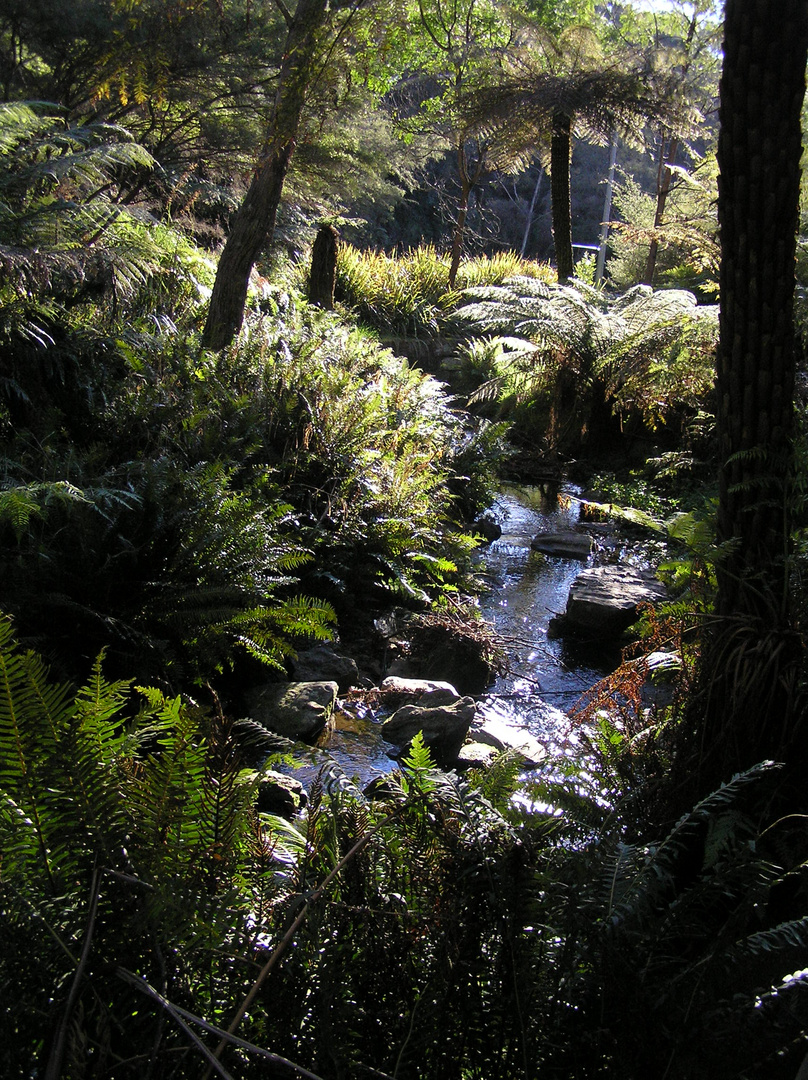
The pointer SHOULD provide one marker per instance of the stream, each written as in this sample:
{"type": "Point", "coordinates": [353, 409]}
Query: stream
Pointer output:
{"type": "Point", "coordinates": [525, 590]}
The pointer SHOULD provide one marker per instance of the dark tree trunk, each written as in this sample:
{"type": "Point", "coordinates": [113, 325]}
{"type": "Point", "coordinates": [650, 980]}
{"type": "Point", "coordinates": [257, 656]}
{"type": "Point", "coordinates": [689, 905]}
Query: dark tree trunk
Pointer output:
{"type": "Point", "coordinates": [560, 159]}
{"type": "Point", "coordinates": [323, 272]}
{"type": "Point", "coordinates": [759, 150]}
{"type": "Point", "coordinates": [457, 238]}
{"type": "Point", "coordinates": [254, 222]}
{"type": "Point", "coordinates": [750, 708]}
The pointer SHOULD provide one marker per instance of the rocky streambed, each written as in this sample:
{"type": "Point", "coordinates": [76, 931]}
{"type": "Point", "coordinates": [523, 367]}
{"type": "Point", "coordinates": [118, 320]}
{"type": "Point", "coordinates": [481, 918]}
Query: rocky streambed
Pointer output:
{"type": "Point", "coordinates": [560, 592]}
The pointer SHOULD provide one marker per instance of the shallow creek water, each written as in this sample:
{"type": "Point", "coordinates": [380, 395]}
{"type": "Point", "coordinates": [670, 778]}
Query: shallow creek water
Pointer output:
{"type": "Point", "coordinates": [525, 590]}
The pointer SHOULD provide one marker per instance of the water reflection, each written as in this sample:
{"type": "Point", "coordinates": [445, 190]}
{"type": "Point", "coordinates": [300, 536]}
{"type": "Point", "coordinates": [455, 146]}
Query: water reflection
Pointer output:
{"type": "Point", "coordinates": [525, 590]}
{"type": "Point", "coordinates": [354, 741]}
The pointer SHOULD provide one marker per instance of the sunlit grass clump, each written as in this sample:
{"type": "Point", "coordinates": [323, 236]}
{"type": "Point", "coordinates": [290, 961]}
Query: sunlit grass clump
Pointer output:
{"type": "Point", "coordinates": [409, 295]}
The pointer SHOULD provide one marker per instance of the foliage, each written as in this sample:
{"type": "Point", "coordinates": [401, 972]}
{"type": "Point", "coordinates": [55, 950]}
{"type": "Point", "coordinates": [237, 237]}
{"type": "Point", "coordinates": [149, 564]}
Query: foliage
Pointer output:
{"type": "Point", "coordinates": [688, 239]}
{"type": "Point", "coordinates": [454, 49]}
{"type": "Point", "coordinates": [125, 847]}
{"type": "Point", "coordinates": [166, 504]}
{"type": "Point", "coordinates": [366, 444]}
{"type": "Point", "coordinates": [648, 353]}
{"type": "Point", "coordinates": [182, 76]}
{"type": "Point", "coordinates": [438, 930]}
{"type": "Point", "coordinates": [171, 568]}
{"type": "Point", "coordinates": [409, 295]}
{"type": "Point", "coordinates": [209, 492]}
{"type": "Point", "coordinates": [669, 942]}
{"type": "Point", "coordinates": [66, 237]}
{"type": "Point", "coordinates": [131, 856]}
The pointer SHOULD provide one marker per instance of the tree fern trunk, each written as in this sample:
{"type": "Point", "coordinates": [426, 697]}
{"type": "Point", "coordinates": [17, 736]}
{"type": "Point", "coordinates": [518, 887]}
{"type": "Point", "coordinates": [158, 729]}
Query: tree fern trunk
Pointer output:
{"type": "Point", "coordinates": [751, 707]}
{"type": "Point", "coordinates": [254, 222]}
{"type": "Point", "coordinates": [560, 159]}
{"type": "Point", "coordinates": [323, 272]}
{"type": "Point", "coordinates": [762, 90]}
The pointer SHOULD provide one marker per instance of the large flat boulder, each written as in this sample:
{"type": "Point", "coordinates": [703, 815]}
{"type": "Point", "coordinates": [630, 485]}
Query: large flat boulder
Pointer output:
{"type": "Point", "coordinates": [604, 601]}
{"type": "Point", "coordinates": [416, 688]}
{"type": "Point", "coordinates": [493, 731]}
{"type": "Point", "coordinates": [297, 710]}
{"type": "Point", "coordinates": [564, 545]}
{"type": "Point", "coordinates": [444, 728]}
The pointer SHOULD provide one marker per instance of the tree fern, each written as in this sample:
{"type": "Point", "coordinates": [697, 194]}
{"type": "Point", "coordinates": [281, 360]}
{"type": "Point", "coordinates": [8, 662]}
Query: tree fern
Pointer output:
{"type": "Point", "coordinates": [652, 351]}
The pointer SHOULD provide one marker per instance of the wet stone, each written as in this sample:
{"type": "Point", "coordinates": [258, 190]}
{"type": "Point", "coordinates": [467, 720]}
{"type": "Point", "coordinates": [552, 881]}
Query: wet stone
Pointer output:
{"type": "Point", "coordinates": [565, 545]}
{"type": "Point", "coordinates": [298, 710]}
{"type": "Point", "coordinates": [605, 600]}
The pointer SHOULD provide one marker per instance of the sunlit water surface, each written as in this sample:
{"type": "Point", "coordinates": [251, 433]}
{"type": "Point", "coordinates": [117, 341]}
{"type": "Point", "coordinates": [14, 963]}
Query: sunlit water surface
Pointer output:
{"type": "Point", "coordinates": [525, 590]}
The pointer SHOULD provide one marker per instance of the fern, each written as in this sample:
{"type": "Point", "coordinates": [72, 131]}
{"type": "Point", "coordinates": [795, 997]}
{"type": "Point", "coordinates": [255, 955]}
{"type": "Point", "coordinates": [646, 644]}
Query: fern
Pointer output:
{"type": "Point", "coordinates": [652, 351]}
{"type": "Point", "coordinates": [161, 811]}
{"type": "Point", "coordinates": [418, 763]}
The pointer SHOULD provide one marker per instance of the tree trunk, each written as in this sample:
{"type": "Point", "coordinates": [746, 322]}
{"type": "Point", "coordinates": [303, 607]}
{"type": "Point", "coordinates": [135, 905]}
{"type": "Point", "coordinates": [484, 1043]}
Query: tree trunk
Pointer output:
{"type": "Point", "coordinates": [254, 222]}
{"type": "Point", "coordinates": [759, 150]}
{"type": "Point", "coordinates": [603, 240]}
{"type": "Point", "coordinates": [560, 159]}
{"type": "Point", "coordinates": [666, 160]}
{"type": "Point", "coordinates": [663, 190]}
{"type": "Point", "coordinates": [457, 238]}
{"type": "Point", "coordinates": [468, 181]}
{"type": "Point", "coordinates": [750, 709]}
{"type": "Point", "coordinates": [323, 272]}
{"type": "Point", "coordinates": [531, 211]}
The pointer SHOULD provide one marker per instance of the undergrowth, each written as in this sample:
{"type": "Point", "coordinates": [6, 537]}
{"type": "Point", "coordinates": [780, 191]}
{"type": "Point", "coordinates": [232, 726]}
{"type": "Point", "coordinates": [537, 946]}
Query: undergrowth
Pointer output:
{"type": "Point", "coordinates": [408, 295]}
{"type": "Point", "coordinates": [436, 930]}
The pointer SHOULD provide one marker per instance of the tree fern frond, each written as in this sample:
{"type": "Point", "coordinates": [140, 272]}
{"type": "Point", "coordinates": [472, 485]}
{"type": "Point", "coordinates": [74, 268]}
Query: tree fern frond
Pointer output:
{"type": "Point", "coordinates": [787, 935]}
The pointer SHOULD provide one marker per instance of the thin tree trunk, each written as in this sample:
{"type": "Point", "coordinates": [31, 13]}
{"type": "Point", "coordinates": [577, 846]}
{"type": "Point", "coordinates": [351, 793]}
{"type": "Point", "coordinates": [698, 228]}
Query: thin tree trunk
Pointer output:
{"type": "Point", "coordinates": [663, 190]}
{"type": "Point", "coordinates": [254, 222]}
{"type": "Point", "coordinates": [531, 211]}
{"type": "Point", "coordinates": [607, 211]}
{"type": "Point", "coordinates": [560, 159]}
{"type": "Point", "coordinates": [468, 182]}
{"type": "Point", "coordinates": [457, 238]}
{"type": "Point", "coordinates": [666, 161]}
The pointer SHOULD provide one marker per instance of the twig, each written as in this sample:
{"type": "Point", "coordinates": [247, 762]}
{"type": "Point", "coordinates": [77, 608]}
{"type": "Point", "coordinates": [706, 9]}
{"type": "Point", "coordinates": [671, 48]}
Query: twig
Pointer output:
{"type": "Point", "coordinates": [181, 1014]}
{"type": "Point", "coordinates": [54, 1067]}
{"type": "Point", "coordinates": [282, 945]}
{"type": "Point", "coordinates": [141, 984]}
